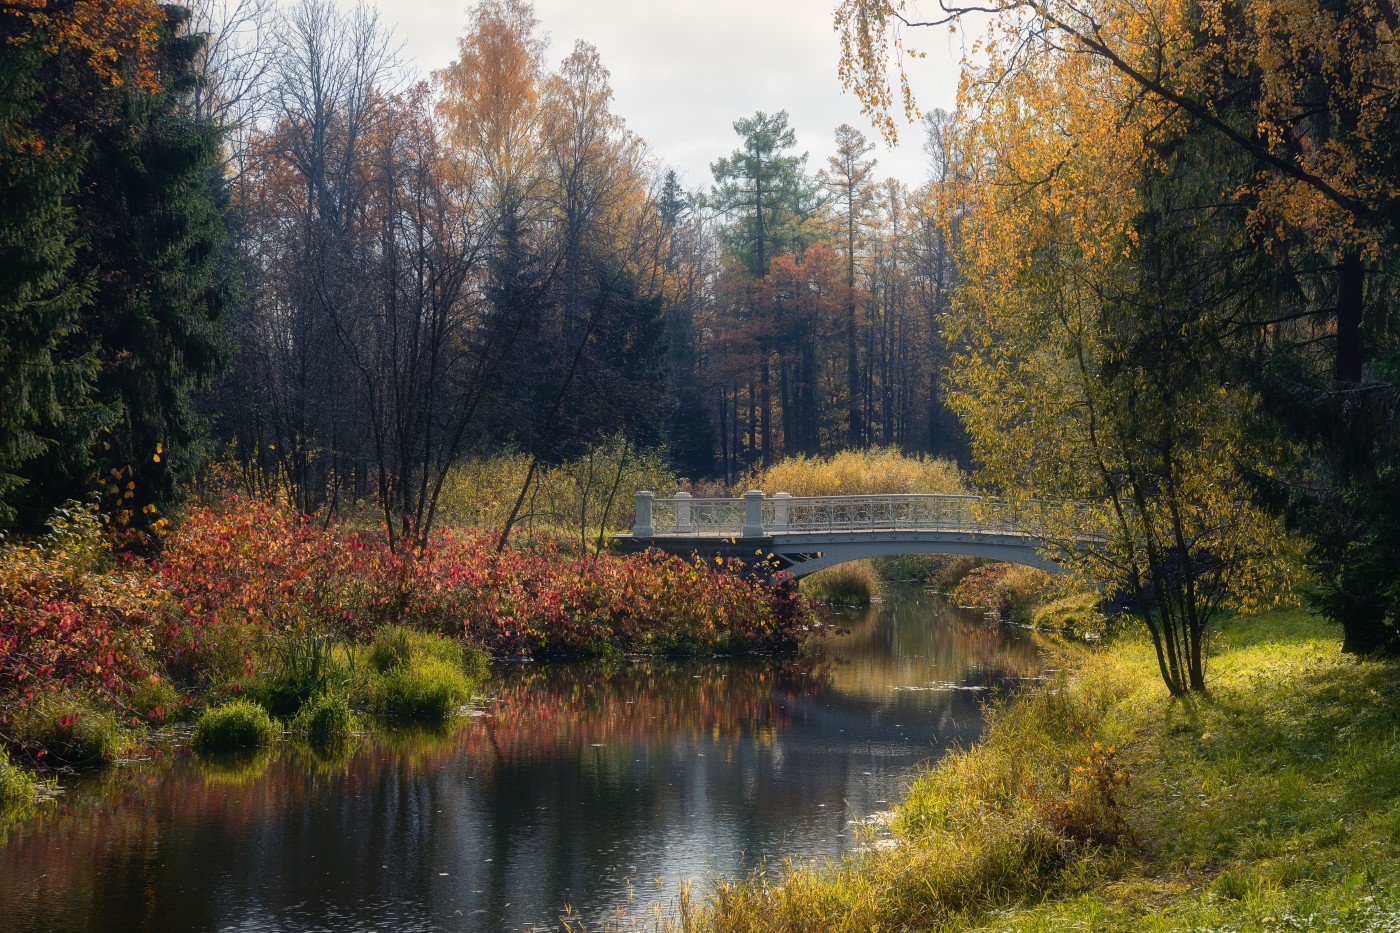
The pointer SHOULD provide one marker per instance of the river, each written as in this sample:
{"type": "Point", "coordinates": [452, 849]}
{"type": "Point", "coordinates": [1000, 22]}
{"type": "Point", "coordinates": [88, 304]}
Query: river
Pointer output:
{"type": "Point", "coordinates": [586, 790]}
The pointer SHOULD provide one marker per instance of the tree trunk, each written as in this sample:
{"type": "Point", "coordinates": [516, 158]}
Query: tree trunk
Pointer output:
{"type": "Point", "coordinates": [765, 408]}
{"type": "Point", "coordinates": [1351, 282]}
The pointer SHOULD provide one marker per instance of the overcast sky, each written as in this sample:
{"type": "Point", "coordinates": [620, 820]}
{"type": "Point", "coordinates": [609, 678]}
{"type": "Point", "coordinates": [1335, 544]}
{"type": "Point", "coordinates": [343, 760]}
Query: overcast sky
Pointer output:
{"type": "Point", "coordinates": [684, 70]}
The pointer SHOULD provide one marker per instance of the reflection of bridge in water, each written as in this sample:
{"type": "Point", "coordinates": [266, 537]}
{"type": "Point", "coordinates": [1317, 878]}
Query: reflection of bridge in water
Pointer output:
{"type": "Point", "coordinates": [803, 534]}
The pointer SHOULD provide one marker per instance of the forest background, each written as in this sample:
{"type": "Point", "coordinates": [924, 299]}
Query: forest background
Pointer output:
{"type": "Point", "coordinates": [241, 232]}
{"type": "Point", "coordinates": [380, 278]}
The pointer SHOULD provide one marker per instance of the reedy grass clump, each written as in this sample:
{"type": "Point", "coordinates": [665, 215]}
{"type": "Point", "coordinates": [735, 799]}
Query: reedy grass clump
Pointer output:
{"type": "Point", "coordinates": [301, 665]}
{"type": "Point", "coordinates": [417, 676]}
{"type": "Point", "coordinates": [326, 718]}
{"type": "Point", "coordinates": [238, 724]}
{"type": "Point", "coordinates": [1272, 804]}
{"type": "Point", "coordinates": [851, 584]}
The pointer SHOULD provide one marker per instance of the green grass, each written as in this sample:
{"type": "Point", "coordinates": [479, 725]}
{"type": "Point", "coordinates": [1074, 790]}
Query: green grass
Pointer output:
{"type": "Point", "coordinates": [157, 701]}
{"type": "Point", "coordinates": [414, 676]}
{"type": "Point", "coordinates": [18, 788]}
{"type": "Point", "coordinates": [1077, 613]}
{"type": "Point", "coordinates": [240, 724]}
{"type": "Point", "coordinates": [63, 729]}
{"type": "Point", "coordinates": [1269, 805]}
{"type": "Point", "coordinates": [325, 718]}
{"type": "Point", "coordinates": [300, 666]}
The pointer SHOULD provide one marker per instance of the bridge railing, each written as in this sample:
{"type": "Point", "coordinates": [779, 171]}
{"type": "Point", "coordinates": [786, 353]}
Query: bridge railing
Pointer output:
{"type": "Point", "coordinates": [757, 515]}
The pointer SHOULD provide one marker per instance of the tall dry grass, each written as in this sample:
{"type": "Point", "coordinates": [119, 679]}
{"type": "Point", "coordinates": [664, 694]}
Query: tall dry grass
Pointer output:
{"type": "Point", "coordinates": [577, 498]}
{"type": "Point", "coordinates": [879, 470]}
{"type": "Point", "coordinates": [851, 584]}
{"type": "Point", "coordinates": [1004, 822]}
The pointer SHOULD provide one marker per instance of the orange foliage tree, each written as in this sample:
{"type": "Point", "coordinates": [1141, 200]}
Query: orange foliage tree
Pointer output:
{"type": "Point", "coordinates": [115, 39]}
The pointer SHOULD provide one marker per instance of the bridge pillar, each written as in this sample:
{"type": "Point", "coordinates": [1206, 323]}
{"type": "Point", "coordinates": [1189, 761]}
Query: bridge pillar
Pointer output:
{"type": "Point", "coordinates": [781, 507]}
{"type": "Point", "coordinates": [642, 527]}
{"type": "Point", "coordinates": [682, 505]}
{"type": "Point", "coordinates": [753, 514]}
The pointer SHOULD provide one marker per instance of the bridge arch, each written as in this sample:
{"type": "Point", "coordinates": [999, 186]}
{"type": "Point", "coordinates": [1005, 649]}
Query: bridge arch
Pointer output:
{"type": "Point", "coordinates": [805, 534]}
{"type": "Point", "coordinates": [833, 555]}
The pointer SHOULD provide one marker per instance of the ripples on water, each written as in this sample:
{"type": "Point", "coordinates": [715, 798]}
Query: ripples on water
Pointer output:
{"type": "Point", "coordinates": [595, 788]}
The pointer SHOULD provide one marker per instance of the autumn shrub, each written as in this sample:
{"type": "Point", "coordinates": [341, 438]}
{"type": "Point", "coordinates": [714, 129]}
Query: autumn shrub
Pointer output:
{"type": "Point", "coordinates": [238, 724]}
{"type": "Point", "coordinates": [879, 470]}
{"type": "Point", "coordinates": [257, 589]}
{"type": "Point", "coordinates": [248, 569]}
{"type": "Point", "coordinates": [74, 616]}
{"type": "Point", "coordinates": [1012, 590]}
{"type": "Point", "coordinates": [249, 560]}
{"type": "Point", "coordinates": [851, 584]}
{"type": "Point", "coordinates": [540, 600]}
{"type": "Point", "coordinates": [63, 729]}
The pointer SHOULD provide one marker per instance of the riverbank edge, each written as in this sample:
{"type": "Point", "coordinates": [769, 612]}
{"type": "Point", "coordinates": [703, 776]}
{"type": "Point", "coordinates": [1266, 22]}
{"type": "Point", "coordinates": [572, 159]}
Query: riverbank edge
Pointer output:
{"type": "Point", "coordinates": [1097, 802]}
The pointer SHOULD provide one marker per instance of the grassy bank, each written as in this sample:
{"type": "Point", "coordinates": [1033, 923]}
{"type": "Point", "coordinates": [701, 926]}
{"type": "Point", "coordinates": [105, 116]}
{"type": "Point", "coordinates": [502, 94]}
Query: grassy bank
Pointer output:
{"type": "Point", "coordinates": [1096, 802]}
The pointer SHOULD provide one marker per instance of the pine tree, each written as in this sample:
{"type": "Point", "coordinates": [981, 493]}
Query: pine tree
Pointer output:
{"type": "Point", "coordinates": [40, 297]}
{"type": "Point", "coordinates": [147, 235]}
{"type": "Point", "coordinates": [765, 192]}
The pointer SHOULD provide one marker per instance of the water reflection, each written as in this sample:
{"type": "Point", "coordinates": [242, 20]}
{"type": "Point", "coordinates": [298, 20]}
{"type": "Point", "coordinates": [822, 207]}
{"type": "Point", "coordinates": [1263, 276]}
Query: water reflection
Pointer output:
{"type": "Point", "coordinates": [581, 785]}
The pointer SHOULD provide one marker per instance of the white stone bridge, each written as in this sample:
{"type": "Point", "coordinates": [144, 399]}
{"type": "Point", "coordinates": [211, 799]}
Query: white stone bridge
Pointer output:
{"type": "Point", "coordinates": [803, 534]}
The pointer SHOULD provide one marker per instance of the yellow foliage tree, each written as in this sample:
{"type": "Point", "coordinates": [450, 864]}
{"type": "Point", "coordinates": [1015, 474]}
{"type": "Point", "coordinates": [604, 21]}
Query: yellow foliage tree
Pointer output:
{"type": "Point", "coordinates": [1088, 320]}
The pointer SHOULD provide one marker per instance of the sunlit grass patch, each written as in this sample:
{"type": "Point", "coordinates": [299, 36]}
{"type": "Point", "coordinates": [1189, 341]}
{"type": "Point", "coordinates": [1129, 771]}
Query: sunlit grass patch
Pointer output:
{"type": "Point", "coordinates": [877, 471]}
{"type": "Point", "coordinates": [239, 724]}
{"type": "Point", "coordinates": [326, 718]}
{"type": "Point", "coordinates": [18, 788]}
{"type": "Point", "coordinates": [1075, 613]}
{"type": "Point", "coordinates": [411, 675]}
{"type": "Point", "coordinates": [1097, 802]}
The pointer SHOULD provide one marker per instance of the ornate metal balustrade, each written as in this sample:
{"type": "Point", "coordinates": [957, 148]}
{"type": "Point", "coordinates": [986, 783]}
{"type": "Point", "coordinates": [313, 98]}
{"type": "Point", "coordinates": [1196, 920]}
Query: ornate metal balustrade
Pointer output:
{"type": "Point", "coordinates": [756, 515]}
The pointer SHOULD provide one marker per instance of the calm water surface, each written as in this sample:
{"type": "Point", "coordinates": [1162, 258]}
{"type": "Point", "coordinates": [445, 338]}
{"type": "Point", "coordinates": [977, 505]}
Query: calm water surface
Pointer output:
{"type": "Point", "coordinates": [596, 789]}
